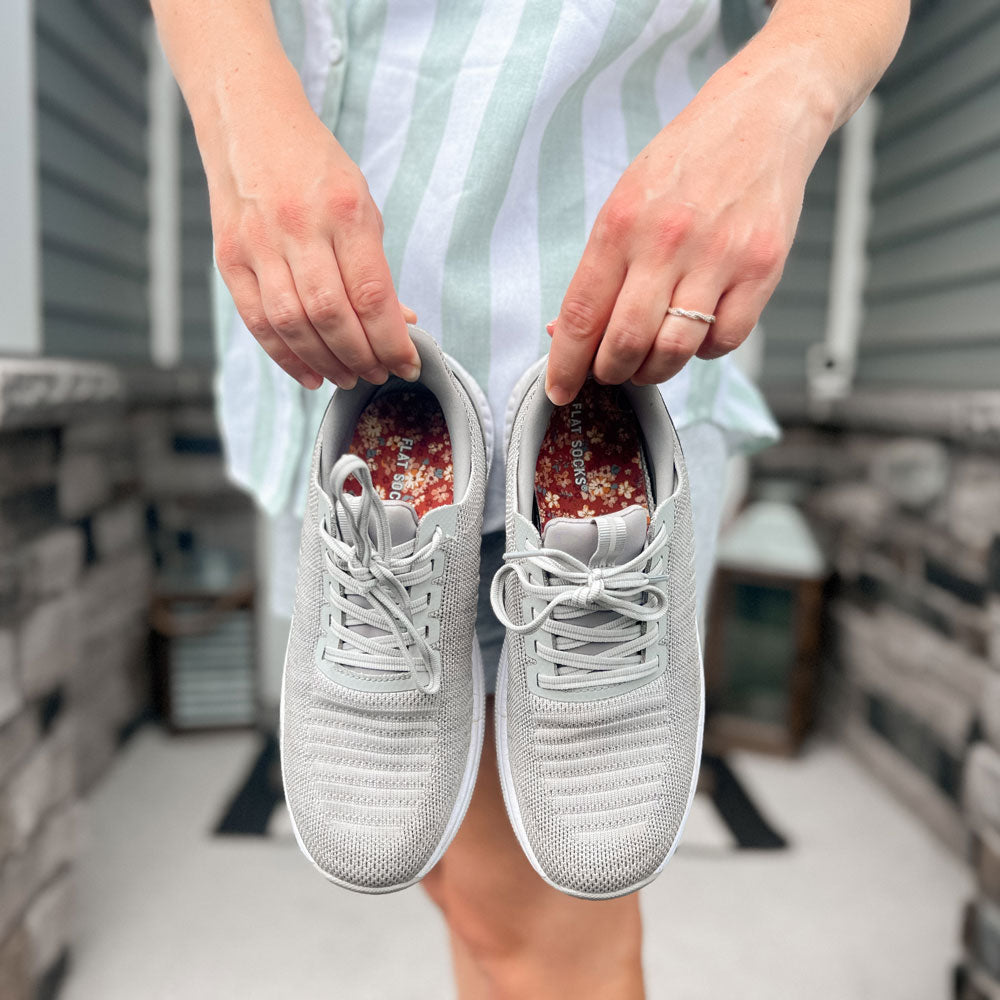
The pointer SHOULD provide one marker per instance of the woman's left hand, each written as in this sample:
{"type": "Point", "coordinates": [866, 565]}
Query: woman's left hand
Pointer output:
{"type": "Point", "coordinates": [703, 219]}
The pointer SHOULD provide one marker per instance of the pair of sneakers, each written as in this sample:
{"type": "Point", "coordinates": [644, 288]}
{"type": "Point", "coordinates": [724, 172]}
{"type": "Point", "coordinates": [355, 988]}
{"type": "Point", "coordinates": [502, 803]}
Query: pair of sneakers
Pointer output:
{"type": "Point", "coordinates": [599, 701]}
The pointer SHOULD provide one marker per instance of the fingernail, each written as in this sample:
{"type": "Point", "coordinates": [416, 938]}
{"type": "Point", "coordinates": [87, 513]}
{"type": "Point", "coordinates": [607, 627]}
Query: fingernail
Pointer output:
{"type": "Point", "coordinates": [551, 323]}
{"type": "Point", "coordinates": [376, 375]}
{"type": "Point", "coordinates": [347, 383]}
{"type": "Point", "coordinates": [409, 372]}
{"type": "Point", "coordinates": [558, 396]}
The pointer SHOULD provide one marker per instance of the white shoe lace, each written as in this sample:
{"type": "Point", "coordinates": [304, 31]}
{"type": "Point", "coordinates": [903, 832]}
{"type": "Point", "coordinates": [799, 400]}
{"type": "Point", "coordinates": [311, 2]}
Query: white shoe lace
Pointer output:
{"type": "Point", "coordinates": [608, 606]}
{"type": "Point", "coordinates": [380, 576]}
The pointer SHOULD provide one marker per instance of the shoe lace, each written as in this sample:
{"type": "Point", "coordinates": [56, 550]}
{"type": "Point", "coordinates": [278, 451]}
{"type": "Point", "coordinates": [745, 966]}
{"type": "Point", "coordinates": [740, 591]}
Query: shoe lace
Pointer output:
{"type": "Point", "coordinates": [606, 606]}
{"type": "Point", "coordinates": [380, 577]}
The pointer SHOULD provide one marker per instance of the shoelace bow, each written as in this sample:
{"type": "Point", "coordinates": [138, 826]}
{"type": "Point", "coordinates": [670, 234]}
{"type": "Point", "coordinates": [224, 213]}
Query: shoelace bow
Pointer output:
{"type": "Point", "coordinates": [574, 591]}
{"type": "Point", "coordinates": [380, 574]}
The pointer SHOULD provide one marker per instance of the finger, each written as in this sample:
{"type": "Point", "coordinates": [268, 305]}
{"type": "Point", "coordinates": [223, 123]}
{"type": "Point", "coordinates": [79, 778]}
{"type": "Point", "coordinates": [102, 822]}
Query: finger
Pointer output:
{"type": "Point", "coordinates": [287, 317]}
{"type": "Point", "coordinates": [634, 324]}
{"type": "Point", "coordinates": [736, 315]}
{"type": "Point", "coordinates": [243, 287]}
{"type": "Point", "coordinates": [320, 288]}
{"type": "Point", "coordinates": [408, 314]}
{"type": "Point", "coordinates": [357, 246]}
{"type": "Point", "coordinates": [679, 337]}
{"type": "Point", "coordinates": [583, 316]}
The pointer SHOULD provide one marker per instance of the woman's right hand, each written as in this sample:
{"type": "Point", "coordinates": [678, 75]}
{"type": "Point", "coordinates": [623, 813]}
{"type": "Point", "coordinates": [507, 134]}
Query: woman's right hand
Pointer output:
{"type": "Point", "coordinates": [298, 241]}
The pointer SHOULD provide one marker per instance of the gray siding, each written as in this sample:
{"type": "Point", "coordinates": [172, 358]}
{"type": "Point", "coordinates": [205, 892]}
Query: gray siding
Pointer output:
{"type": "Point", "coordinates": [933, 298]}
{"type": "Point", "coordinates": [196, 251]}
{"type": "Point", "coordinates": [91, 85]}
{"type": "Point", "coordinates": [92, 150]}
{"type": "Point", "coordinates": [795, 316]}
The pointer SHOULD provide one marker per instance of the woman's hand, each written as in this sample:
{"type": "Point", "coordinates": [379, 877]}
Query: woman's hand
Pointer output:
{"type": "Point", "coordinates": [702, 219]}
{"type": "Point", "coordinates": [298, 241]}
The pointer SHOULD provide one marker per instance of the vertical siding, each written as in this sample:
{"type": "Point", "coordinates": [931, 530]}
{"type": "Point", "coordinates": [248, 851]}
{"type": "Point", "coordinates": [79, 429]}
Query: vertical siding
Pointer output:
{"type": "Point", "coordinates": [196, 250]}
{"type": "Point", "coordinates": [795, 316]}
{"type": "Point", "coordinates": [92, 161]}
{"type": "Point", "coordinates": [933, 297]}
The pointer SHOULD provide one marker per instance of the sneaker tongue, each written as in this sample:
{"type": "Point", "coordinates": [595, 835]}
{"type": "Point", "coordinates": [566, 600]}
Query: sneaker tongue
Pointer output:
{"type": "Point", "coordinates": [401, 515]}
{"type": "Point", "coordinates": [606, 540]}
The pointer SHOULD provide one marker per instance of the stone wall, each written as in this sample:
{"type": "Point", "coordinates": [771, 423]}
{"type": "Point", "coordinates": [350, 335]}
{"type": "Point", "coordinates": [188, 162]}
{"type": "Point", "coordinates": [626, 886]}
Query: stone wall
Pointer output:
{"type": "Point", "coordinates": [903, 490]}
{"type": "Point", "coordinates": [90, 457]}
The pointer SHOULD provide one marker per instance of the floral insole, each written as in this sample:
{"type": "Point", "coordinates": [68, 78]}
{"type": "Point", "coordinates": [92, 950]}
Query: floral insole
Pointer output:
{"type": "Point", "coordinates": [591, 460]}
{"type": "Point", "coordinates": [403, 437]}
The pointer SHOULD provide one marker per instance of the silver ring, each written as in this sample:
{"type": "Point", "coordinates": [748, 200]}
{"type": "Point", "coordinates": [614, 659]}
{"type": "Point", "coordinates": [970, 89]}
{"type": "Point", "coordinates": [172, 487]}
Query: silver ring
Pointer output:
{"type": "Point", "coordinates": [691, 314]}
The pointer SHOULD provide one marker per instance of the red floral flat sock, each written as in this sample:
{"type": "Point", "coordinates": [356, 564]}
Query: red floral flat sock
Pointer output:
{"type": "Point", "coordinates": [403, 437]}
{"type": "Point", "coordinates": [591, 461]}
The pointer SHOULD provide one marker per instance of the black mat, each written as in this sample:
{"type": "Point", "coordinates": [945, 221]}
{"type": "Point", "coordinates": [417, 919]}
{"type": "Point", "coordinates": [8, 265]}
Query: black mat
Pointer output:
{"type": "Point", "coordinates": [738, 810]}
{"type": "Point", "coordinates": [249, 810]}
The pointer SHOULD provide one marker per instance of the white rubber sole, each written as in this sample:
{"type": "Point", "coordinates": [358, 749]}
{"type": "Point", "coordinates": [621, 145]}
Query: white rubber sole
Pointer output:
{"type": "Point", "coordinates": [500, 715]}
{"type": "Point", "coordinates": [478, 398]}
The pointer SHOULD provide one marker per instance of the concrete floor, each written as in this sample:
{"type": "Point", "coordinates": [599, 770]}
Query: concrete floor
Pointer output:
{"type": "Point", "coordinates": [864, 905]}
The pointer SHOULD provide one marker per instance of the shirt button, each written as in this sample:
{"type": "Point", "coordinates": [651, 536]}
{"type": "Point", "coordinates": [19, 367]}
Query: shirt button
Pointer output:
{"type": "Point", "coordinates": [336, 50]}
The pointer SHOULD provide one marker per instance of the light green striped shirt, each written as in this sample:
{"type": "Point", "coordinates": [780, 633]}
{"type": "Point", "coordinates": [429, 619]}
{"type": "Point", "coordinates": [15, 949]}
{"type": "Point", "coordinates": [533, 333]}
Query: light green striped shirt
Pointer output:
{"type": "Point", "coordinates": [490, 133]}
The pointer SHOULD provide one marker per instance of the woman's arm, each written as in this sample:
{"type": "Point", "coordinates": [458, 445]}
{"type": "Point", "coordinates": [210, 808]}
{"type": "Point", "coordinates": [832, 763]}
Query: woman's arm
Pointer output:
{"type": "Point", "coordinates": [297, 236]}
{"type": "Point", "coordinates": [705, 215]}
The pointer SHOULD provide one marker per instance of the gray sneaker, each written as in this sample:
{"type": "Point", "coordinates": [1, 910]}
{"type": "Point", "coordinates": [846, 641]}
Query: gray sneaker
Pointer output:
{"type": "Point", "coordinates": [600, 692]}
{"type": "Point", "coordinates": [382, 694]}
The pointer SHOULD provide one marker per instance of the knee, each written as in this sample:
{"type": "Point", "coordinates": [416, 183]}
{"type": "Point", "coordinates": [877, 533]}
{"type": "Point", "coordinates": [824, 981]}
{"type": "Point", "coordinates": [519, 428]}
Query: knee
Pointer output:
{"type": "Point", "coordinates": [501, 915]}
{"type": "Point", "coordinates": [528, 939]}
{"type": "Point", "coordinates": [487, 909]}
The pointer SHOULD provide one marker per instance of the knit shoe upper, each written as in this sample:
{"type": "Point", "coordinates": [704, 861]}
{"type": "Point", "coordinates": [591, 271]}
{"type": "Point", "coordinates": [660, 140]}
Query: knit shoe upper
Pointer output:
{"type": "Point", "coordinates": [600, 691]}
{"type": "Point", "coordinates": [382, 695]}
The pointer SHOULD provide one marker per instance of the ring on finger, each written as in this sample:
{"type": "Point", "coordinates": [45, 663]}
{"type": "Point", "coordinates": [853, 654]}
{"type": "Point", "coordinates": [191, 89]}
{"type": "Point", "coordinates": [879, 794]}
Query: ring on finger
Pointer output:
{"type": "Point", "coordinates": [691, 314]}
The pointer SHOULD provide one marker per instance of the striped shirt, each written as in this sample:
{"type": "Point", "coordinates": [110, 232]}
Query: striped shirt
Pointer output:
{"type": "Point", "coordinates": [490, 133]}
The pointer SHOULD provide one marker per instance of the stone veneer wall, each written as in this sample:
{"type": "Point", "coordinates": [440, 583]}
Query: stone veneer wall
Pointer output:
{"type": "Point", "coordinates": [88, 459]}
{"type": "Point", "coordinates": [903, 489]}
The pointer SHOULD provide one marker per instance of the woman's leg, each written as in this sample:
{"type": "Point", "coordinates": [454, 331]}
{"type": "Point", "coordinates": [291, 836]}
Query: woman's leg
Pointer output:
{"type": "Point", "coordinates": [515, 936]}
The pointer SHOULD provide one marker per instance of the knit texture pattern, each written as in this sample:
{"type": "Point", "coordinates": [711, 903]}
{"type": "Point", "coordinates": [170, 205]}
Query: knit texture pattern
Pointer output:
{"type": "Point", "coordinates": [602, 786]}
{"type": "Point", "coordinates": [372, 777]}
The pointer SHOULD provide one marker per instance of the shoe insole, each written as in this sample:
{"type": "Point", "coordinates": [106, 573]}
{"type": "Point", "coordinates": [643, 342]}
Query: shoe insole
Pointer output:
{"type": "Point", "coordinates": [591, 460]}
{"type": "Point", "coordinates": [403, 437]}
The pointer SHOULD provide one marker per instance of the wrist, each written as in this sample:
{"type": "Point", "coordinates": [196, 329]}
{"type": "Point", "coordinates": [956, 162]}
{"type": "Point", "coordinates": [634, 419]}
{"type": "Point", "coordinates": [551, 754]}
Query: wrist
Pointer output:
{"type": "Point", "coordinates": [791, 82]}
{"type": "Point", "coordinates": [233, 105]}
{"type": "Point", "coordinates": [831, 54]}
